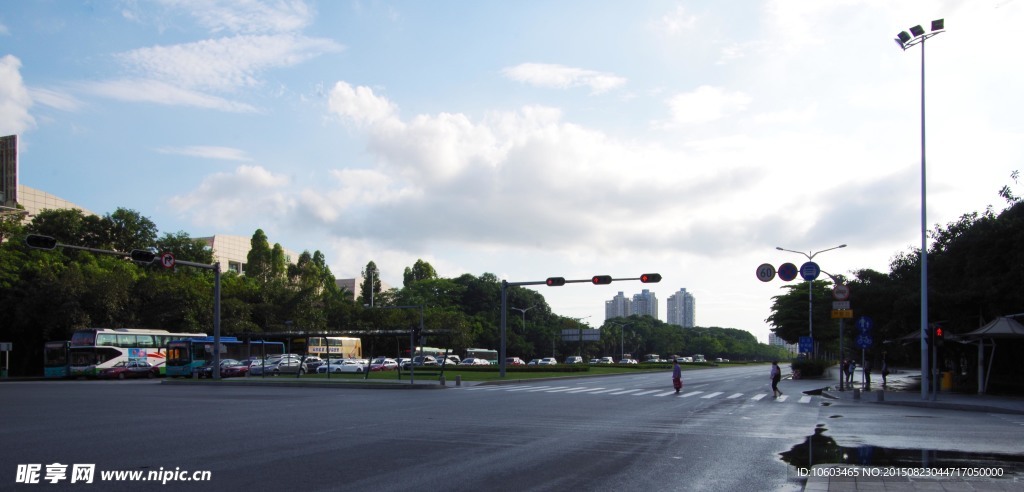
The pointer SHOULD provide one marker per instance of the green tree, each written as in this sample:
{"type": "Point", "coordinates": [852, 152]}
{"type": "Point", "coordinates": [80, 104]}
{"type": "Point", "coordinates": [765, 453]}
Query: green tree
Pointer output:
{"type": "Point", "coordinates": [259, 261]}
{"type": "Point", "coordinates": [127, 229]}
{"type": "Point", "coordinates": [420, 270]}
{"type": "Point", "coordinates": [370, 287]}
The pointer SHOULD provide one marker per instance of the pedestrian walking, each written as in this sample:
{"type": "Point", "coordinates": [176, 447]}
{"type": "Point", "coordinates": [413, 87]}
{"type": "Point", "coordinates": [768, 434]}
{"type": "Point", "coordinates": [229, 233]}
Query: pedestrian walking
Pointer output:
{"type": "Point", "coordinates": [850, 368]}
{"type": "Point", "coordinates": [885, 371]}
{"type": "Point", "coordinates": [776, 377]}
{"type": "Point", "coordinates": [867, 373]}
{"type": "Point", "coordinates": [677, 375]}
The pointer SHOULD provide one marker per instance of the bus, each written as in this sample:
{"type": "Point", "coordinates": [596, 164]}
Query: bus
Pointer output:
{"type": "Point", "coordinates": [184, 355]}
{"type": "Point", "coordinates": [95, 349]}
{"type": "Point", "coordinates": [486, 354]}
{"type": "Point", "coordinates": [56, 363]}
{"type": "Point", "coordinates": [335, 347]}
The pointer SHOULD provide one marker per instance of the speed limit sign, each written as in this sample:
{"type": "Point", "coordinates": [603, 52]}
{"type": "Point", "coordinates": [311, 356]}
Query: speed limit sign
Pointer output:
{"type": "Point", "coordinates": [766, 272]}
{"type": "Point", "coordinates": [167, 260]}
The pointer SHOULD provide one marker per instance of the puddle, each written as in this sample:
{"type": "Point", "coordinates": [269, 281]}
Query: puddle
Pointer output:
{"type": "Point", "coordinates": [820, 449]}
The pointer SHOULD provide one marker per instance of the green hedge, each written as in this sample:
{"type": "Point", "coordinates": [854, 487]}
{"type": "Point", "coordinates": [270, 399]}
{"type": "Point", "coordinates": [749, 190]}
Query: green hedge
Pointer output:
{"type": "Point", "coordinates": [809, 368]}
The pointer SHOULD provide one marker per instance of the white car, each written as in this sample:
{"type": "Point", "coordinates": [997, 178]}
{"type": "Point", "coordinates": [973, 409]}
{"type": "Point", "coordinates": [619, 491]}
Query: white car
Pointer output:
{"type": "Point", "coordinates": [336, 366]}
{"type": "Point", "coordinates": [475, 361]}
{"type": "Point", "coordinates": [606, 360]}
{"type": "Point", "coordinates": [548, 361]}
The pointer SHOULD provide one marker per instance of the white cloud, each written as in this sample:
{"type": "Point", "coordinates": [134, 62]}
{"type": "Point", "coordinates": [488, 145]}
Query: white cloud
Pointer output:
{"type": "Point", "coordinates": [208, 152]}
{"type": "Point", "coordinates": [706, 104]}
{"type": "Point", "coordinates": [360, 104]}
{"type": "Point", "coordinates": [55, 99]}
{"type": "Point", "coordinates": [247, 16]}
{"type": "Point", "coordinates": [224, 200]}
{"type": "Point", "coordinates": [3, 30]}
{"type": "Point", "coordinates": [677, 21]}
{"type": "Point", "coordinates": [15, 99]}
{"type": "Point", "coordinates": [225, 63]}
{"type": "Point", "coordinates": [562, 77]}
{"type": "Point", "coordinates": [154, 91]}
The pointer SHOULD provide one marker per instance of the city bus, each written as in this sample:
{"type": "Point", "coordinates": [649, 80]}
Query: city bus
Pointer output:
{"type": "Point", "coordinates": [486, 354]}
{"type": "Point", "coordinates": [184, 355]}
{"type": "Point", "coordinates": [95, 349]}
{"type": "Point", "coordinates": [56, 362]}
{"type": "Point", "coordinates": [335, 347]}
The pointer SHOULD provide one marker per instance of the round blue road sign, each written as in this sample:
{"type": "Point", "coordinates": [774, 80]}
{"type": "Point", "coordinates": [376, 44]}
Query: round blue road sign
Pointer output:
{"type": "Point", "coordinates": [787, 271]}
{"type": "Point", "coordinates": [810, 271]}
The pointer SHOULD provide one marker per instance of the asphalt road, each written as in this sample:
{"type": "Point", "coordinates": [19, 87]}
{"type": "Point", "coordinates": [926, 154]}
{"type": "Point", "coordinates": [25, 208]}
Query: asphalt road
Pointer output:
{"type": "Point", "coordinates": [723, 432]}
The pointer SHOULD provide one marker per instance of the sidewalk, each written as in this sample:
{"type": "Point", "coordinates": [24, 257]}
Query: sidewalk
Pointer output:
{"type": "Point", "coordinates": [904, 388]}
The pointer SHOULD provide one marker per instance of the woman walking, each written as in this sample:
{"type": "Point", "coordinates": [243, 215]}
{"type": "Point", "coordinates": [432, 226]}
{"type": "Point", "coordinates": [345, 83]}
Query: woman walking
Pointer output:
{"type": "Point", "coordinates": [677, 375]}
{"type": "Point", "coordinates": [776, 377]}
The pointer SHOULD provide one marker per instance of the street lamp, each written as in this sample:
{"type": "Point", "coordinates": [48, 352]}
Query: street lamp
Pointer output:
{"type": "Point", "coordinates": [905, 41]}
{"type": "Point", "coordinates": [810, 284]}
{"type": "Point", "coordinates": [524, 314]}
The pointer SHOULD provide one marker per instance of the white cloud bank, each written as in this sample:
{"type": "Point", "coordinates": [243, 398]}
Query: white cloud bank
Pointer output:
{"type": "Point", "coordinates": [562, 77]}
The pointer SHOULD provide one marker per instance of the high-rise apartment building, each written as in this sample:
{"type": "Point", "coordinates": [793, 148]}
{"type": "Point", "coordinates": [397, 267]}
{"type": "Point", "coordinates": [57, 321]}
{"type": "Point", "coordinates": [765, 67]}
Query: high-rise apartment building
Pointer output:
{"type": "Point", "coordinates": [645, 303]}
{"type": "Point", "coordinates": [618, 307]}
{"type": "Point", "coordinates": [681, 309]}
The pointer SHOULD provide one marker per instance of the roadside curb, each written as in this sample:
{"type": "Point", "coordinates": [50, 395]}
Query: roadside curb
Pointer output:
{"type": "Point", "coordinates": [306, 384]}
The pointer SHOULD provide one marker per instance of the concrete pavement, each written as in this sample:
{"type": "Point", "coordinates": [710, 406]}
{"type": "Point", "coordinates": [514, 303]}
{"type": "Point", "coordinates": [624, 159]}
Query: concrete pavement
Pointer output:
{"type": "Point", "coordinates": [904, 388]}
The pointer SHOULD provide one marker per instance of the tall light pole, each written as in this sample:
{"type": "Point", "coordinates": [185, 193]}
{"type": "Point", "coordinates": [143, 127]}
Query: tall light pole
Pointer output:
{"type": "Point", "coordinates": [524, 314]}
{"type": "Point", "coordinates": [905, 41]}
{"type": "Point", "coordinates": [810, 289]}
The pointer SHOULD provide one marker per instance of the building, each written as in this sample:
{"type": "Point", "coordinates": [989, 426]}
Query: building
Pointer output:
{"type": "Point", "coordinates": [776, 340]}
{"type": "Point", "coordinates": [681, 309]}
{"type": "Point", "coordinates": [618, 307]}
{"type": "Point", "coordinates": [36, 201]}
{"type": "Point", "coordinates": [9, 172]}
{"type": "Point", "coordinates": [645, 303]}
{"type": "Point", "coordinates": [233, 251]}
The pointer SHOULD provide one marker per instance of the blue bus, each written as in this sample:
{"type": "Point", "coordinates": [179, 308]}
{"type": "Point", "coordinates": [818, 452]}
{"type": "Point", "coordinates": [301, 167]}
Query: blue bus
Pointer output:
{"type": "Point", "coordinates": [184, 356]}
{"type": "Point", "coordinates": [57, 359]}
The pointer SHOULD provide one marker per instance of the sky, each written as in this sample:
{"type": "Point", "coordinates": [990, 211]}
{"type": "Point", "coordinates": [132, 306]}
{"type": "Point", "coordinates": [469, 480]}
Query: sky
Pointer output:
{"type": "Point", "coordinates": [527, 139]}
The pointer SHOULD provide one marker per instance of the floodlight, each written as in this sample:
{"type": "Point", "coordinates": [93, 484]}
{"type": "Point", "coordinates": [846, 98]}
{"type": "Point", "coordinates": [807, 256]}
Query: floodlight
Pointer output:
{"type": "Point", "coordinates": [917, 30]}
{"type": "Point", "coordinates": [903, 37]}
{"type": "Point", "coordinates": [938, 25]}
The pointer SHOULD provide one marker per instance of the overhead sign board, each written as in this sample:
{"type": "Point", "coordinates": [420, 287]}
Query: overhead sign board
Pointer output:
{"type": "Point", "coordinates": [589, 335]}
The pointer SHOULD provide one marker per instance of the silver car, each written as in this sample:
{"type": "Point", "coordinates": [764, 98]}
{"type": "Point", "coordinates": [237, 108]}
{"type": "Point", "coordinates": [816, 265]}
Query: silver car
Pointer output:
{"type": "Point", "coordinates": [289, 364]}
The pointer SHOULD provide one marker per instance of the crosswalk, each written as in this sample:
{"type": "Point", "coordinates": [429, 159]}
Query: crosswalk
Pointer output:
{"type": "Point", "coordinates": [630, 392]}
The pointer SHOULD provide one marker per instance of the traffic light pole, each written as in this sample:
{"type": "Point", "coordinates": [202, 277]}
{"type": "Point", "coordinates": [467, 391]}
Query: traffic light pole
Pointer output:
{"type": "Point", "coordinates": [554, 282]}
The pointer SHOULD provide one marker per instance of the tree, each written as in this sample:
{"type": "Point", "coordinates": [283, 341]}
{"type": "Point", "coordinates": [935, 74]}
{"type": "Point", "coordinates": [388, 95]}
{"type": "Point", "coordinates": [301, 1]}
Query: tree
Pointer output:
{"type": "Point", "coordinates": [127, 230]}
{"type": "Point", "coordinates": [184, 248]}
{"type": "Point", "coordinates": [258, 261]}
{"type": "Point", "coordinates": [420, 270]}
{"type": "Point", "coordinates": [370, 286]}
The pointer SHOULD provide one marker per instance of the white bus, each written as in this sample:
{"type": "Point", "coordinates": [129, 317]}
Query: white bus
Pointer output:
{"type": "Point", "coordinates": [95, 349]}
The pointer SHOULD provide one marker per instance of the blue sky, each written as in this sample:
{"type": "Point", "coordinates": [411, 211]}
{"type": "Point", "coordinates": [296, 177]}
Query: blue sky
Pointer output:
{"type": "Point", "coordinates": [527, 139]}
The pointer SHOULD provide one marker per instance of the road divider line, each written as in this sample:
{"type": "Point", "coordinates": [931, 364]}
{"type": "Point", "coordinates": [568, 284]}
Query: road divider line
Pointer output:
{"type": "Point", "coordinates": [782, 398]}
{"type": "Point", "coordinates": [605, 391]}
{"type": "Point", "coordinates": [735, 395]}
{"type": "Point", "coordinates": [712, 395]}
{"type": "Point", "coordinates": [584, 390]}
{"type": "Point", "coordinates": [692, 393]}
{"type": "Point", "coordinates": [805, 399]}
{"type": "Point", "coordinates": [758, 397]}
{"type": "Point", "coordinates": [666, 393]}
{"type": "Point", "coordinates": [645, 392]}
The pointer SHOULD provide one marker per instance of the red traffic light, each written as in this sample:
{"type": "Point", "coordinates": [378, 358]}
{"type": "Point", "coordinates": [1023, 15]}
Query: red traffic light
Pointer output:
{"type": "Point", "coordinates": [938, 332]}
{"type": "Point", "coordinates": [601, 279]}
{"type": "Point", "coordinates": [650, 278]}
{"type": "Point", "coordinates": [40, 242]}
{"type": "Point", "coordinates": [555, 281]}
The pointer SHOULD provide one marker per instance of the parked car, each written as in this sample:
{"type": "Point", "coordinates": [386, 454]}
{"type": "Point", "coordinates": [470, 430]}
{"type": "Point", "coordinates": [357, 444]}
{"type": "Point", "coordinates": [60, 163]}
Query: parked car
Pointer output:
{"type": "Point", "coordinates": [606, 360]}
{"type": "Point", "coordinates": [573, 359]}
{"type": "Point", "coordinates": [627, 361]}
{"type": "Point", "coordinates": [475, 361]}
{"type": "Point", "coordinates": [236, 370]}
{"type": "Point", "coordinates": [287, 364]}
{"type": "Point", "coordinates": [313, 362]}
{"type": "Point", "coordinates": [533, 362]}
{"type": "Point", "coordinates": [206, 370]}
{"type": "Point", "coordinates": [514, 361]}
{"type": "Point", "coordinates": [336, 366]}
{"type": "Point", "coordinates": [595, 361]}
{"type": "Point", "coordinates": [130, 369]}
{"type": "Point", "coordinates": [451, 360]}
{"type": "Point", "coordinates": [549, 361]}
{"type": "Point", "coordinates": [383, 364]}
{"type": "Point", "coordinates": [421, 360]}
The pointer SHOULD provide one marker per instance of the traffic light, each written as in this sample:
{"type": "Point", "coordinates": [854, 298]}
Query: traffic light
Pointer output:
{"type": "Point", "coordinates": [650, 278]}
{"type": "Point", "coordinates": [938, 336]}
{"type": "Point", "coordinates": [40, 242]}
{"type": "Point", "coordinates": [555, 281]}
{"type": "Point", "coordinates": [143, 256]}
{"type": "Point", "coordinates": [601, 279]}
